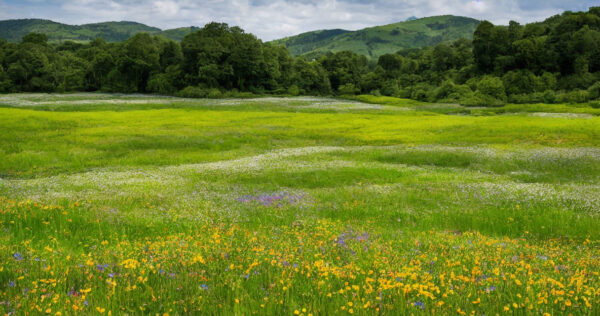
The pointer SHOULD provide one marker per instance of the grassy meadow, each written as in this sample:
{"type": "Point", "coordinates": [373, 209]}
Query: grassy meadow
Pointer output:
{"type": "Point", "coordinates": [146, 205]}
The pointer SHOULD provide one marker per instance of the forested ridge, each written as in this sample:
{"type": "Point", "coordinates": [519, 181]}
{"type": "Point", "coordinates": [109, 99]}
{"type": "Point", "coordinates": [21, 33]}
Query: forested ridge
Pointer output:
{"type": "Point", "coordinates": [557, 60]}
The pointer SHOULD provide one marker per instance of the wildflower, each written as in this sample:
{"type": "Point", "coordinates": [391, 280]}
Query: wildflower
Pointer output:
{"type": "Point", "coordinates": [419, 304]}
{"type": "Point", "coordinates": [17, 256]}
{"type": "Point", "coordinates": [100, 310]}
{"type": "Point", "coordinates": [11, 284]}
{"type": "Point", "coordinates": [568, 303]}
{"type": "Point", "coordinates": [130, 264]}
{"type": "Point", "coordinates": [296, 312]}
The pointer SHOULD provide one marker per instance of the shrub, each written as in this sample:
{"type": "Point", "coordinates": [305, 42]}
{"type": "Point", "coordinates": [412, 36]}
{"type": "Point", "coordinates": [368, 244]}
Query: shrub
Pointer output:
{"type": "Point", "coordinates": [192, 92]}
{"type": "Point", "coordinates": [480, 99]}
{"type": "Point", "coordinates": [348, 89]}
{"type": "Point", "coordinates": [160, 84]}
{"type": "Point", "coordinates": [575, 96]}
{"type": "Point", "coordinates": [293, 90]}
{"type": "Point", "coordinates": [214, 93]}
{"type": "Point", "coordinates": [594, 91]}
{"type": "Point", "coordinates": [493, 87]}
{"type": "Point", "coordinates": [549, 96]}
{"type": "Point", "coordinates": [389, 88]}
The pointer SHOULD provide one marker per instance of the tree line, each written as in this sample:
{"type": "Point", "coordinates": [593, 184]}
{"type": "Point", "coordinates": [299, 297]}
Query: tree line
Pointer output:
{"type": "Point", "coordinates": [557, 60]}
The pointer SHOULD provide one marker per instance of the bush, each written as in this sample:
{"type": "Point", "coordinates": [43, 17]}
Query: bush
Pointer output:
{"type": "Point", "coordinates": [214, 94]}
{"type": "Point", "coordinates": [239, 95]}
{"type": "Point", "coordinates": [449, 91]}
{"type": "Point", "coordinates": [576, 96]}
{"type": "Point", "coordinates": [389, 88]}
{"type": "Point", "coordinates": [293, 90]}
{"type": "Point", "coordinates": [348, 89]}
{"type": "Point", "coordinates": [192, 92]}
{"type": "Point", "coordinates": [595, 104]}
{"type": "Point", "coordinates": [493, 87]}
{"type": "Point", "coordinates": [594, 91]}
{"type": "Point", "coordinates": [549, 96]}
{"type": "Point", "coordinates": [160, 84]}
{"type": "Point", "coordinates": [480, 99]}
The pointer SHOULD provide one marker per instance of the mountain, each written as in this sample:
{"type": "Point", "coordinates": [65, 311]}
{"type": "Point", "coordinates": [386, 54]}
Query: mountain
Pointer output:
{"type": "Point", "coordinates": [14, 30]}
{"type": "Point", "coordinates": [376, 41]}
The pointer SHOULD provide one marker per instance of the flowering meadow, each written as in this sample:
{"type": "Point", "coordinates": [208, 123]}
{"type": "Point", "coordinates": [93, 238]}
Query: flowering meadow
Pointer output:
{"type": "Point", "coordinates": [133, 205]}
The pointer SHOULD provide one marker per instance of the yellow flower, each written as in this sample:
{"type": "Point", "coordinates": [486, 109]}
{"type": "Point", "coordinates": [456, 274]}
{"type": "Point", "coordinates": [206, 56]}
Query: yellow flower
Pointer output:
{"type": "Point", "coordinates": [237, 301]}
{"type": "Point", "coordinates": [130, 264]}
{"type": "Point", "coordinates": [506, 308]}
{"type": "Point", "coordinates": [568, 302]}
{"type": "Point", "coordinates": [351, 311]}
{"type": "Point", "coordinates": [517, 282]}
{"type": "Point", "coordinates": [100, 310]}
{"type": "Point", "coordinates": [477, 301]}
{"type": "Point", "coordinates": [296, 312]}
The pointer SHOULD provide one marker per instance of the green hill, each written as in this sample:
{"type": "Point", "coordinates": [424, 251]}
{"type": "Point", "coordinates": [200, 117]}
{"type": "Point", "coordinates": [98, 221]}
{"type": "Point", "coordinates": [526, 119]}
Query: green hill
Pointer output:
{"type": "Point", "coordinates": [14, 30]}
{"type": "Point", "coordinates": [376, 41]}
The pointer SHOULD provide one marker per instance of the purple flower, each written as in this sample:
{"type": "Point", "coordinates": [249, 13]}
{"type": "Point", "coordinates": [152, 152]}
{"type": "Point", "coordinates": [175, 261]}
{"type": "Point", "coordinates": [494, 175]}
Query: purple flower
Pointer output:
{"type": "Point", "coordinates": [363, 237]}
{"type": "Point", "coordinates": [490, 288]}
{"type": "Point", "coordinates": [101, 267]}
{"type": "Point", "coordinates": [204, 287]}
{"type": "Point", "coordinates": [419, 304]}
{"type": "Point", "coordinates": [17, 256]}
{"type": "Point", "coordinates": [11, 284]}
{"type": "Point", "coordinates": [111, 275]}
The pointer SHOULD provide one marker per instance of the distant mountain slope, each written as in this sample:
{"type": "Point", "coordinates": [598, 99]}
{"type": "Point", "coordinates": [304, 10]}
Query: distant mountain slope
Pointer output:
{"type": "Point", "coordinates": [376, 41]}
{"type": "Point", "coordinates": [14, 30]}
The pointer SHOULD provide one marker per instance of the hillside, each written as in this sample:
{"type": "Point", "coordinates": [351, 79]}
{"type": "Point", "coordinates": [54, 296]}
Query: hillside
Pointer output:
{"type": "Point", "coordinates": [14, 30]}
{"type": "Point", "coordinates": [376, 41]}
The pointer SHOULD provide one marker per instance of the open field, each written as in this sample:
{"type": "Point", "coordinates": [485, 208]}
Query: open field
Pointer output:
{"type": "Point", "coordinates": [131, 204]}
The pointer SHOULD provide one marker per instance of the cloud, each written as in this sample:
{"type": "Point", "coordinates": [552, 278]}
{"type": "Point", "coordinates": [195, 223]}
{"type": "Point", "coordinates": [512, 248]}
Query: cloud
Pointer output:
{"type": "Point", "coordinates": [279, 18]}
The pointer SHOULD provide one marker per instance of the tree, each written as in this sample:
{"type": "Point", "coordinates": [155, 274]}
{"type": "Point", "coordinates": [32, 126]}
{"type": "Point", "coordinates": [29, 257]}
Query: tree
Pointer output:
{"type": "Point", "coordinates": [484, 50]}
{"type": "Point", "coordinates": [344, 68]}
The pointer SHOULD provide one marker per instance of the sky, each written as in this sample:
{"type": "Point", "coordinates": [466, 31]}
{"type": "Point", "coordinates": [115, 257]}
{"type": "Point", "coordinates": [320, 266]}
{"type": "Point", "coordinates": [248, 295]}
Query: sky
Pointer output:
{"type": "Point", "coordinates": [279, 18]}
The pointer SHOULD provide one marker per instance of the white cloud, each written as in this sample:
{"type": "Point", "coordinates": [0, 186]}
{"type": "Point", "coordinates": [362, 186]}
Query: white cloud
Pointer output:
{"type": "Point", "coordinates": [279, 18]}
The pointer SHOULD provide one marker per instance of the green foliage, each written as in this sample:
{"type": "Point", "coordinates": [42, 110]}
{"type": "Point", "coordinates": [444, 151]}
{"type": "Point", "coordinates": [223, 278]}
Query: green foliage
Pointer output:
{"type": "Point", "coordinates": [493, 87]}
{"type": "Point", "coordinates": [192, 92]}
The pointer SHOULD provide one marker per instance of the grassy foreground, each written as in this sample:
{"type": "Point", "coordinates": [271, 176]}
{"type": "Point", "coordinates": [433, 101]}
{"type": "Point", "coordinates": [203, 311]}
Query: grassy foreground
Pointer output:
{"type": "Point", "coordinates": [117, 205]}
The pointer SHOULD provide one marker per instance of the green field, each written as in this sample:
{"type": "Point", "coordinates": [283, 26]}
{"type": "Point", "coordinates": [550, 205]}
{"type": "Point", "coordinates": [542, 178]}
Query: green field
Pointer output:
{"type": "Point", "coordinates": [134, 204]}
